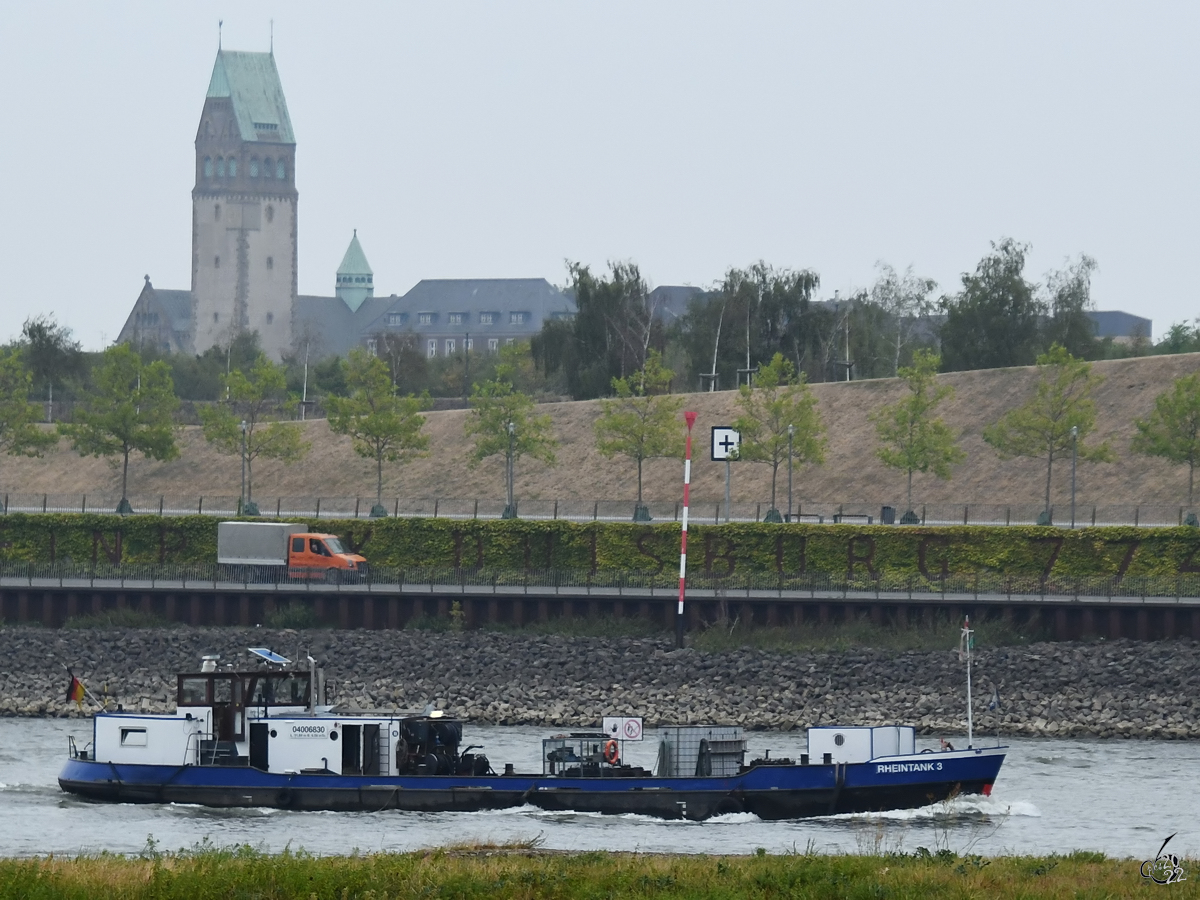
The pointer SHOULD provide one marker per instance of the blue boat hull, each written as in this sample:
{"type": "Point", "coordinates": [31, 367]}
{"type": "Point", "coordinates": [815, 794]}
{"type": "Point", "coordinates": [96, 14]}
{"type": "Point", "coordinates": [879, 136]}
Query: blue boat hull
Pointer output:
{"type": "Point", "coordinates": [768, 791]}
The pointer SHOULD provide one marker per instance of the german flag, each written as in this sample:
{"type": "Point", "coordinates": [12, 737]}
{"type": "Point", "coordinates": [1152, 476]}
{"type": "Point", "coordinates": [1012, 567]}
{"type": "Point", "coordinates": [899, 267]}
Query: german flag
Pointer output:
{"type": "Point", "coordinates": [75, 690]}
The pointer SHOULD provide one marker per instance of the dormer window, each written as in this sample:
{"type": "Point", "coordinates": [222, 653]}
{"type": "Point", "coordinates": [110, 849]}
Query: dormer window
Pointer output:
{"type": "Point", "coordinates": [395, 320]}
{"type": "Point", "coordinates": [456, 318]}
{"type": "Point", "coordinates": [518, 318]}
{"type": "Point", "coordinates": [426, 318]}
{"type": "Point", "coordinates": [487, 318]}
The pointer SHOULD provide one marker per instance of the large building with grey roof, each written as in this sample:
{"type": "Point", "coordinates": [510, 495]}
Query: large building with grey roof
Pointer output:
{"type": "Point", "coordinates": [245, 257]}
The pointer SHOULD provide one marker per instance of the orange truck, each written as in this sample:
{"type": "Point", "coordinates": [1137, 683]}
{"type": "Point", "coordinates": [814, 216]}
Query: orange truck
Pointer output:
{"type": "Point", "coordinates": [277, 548]}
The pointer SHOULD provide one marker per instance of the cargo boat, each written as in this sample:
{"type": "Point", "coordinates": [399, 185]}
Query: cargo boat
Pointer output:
{"type": "Point", "coordinates": [257, 736]}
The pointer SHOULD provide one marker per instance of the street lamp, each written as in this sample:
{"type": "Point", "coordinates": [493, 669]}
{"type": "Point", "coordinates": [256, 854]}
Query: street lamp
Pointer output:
{"type": "Point", "coordinates": [791, 437]}
{"type": "Point", "coordinates": [510, 509]}
{"type": "Point", "coordinates": [1074, 456]}
{"type": "Point", "coordinates": [242, 504]}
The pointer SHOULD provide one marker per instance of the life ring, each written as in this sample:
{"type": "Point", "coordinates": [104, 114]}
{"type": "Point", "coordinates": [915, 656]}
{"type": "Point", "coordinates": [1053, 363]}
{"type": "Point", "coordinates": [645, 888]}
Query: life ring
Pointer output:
{"type": "Point", "coordinates": [611, 751]}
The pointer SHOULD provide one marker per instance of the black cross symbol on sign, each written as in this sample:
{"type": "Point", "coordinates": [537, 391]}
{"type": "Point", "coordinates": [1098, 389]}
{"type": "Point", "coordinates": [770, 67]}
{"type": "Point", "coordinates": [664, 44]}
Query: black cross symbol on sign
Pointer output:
{"type": "Point", "coordinates": [727, 443]}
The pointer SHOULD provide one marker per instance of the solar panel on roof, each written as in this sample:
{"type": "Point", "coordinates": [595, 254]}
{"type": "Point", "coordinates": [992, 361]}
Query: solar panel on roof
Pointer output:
{"type": "Point", "coordinates": [270, 656]}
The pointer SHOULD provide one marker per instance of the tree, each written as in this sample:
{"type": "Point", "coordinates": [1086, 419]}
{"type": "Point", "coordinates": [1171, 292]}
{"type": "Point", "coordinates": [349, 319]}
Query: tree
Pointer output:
{"type": "Point", "coordinates": [993, 322]}
{"type": "Point", "coordinates": [381, 424]}
{"type": "Point", "coordinates": [613, 330]}
{"type": "Point", "coordinates": [129, 409]}
{"type": "Point", "coordinates": [779, 400]}
{"type": "Point", "coordinates": [1042, 427]}
{"type": "Point", "coordinates": [1069, 301]}
{"type": "Point", "coordinates": [750, 316]}
{"type": "Point", "coordinates": [256, 399]}
{"type": "Point", "coordinates": [51, 354]}
{"type": "Point", "coordinates": [19, 433]}
{"type": "Point", "coordinates": [911, 437]}
{"type": "Point", "coordinates": [1172, 430]}
{"type": "Point", "coordinates": [906, 300]}
{"type": "Point", "coordinates": [641, 421]}
{"type": "Point", "coordinates": [502, 421]}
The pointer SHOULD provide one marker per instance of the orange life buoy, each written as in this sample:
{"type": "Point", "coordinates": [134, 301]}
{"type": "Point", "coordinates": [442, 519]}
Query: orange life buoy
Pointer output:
{"type": "Point", "coordinates": [610, 752]}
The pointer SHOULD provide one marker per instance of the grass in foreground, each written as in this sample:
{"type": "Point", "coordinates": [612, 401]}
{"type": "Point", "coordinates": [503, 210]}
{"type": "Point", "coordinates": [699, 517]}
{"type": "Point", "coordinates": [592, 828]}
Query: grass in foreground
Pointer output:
{"type": "Point", "coordinates": [501, 872]}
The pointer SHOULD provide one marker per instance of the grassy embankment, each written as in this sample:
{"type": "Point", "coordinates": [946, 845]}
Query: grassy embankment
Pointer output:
{"type": "Point", "coordinates": [514, 872]}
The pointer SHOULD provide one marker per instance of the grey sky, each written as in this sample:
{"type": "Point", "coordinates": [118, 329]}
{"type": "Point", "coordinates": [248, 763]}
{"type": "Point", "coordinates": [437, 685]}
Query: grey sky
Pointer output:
{"type": "Point", "coordinates": [491, 140]}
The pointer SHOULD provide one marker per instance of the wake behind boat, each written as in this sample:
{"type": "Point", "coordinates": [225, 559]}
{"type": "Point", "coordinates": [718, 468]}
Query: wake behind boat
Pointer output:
{"type": "Point", "coordinates": [265, 735]}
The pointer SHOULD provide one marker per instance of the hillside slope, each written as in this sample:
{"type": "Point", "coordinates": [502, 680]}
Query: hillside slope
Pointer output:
{"type": "Point", "coordinates": [851, 472]}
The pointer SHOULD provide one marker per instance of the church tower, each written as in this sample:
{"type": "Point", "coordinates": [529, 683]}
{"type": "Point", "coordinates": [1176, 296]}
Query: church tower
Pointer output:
{"type": "Point", "coordinates": [355, 280]}
{"type": "Point", "coordinates": [244, 208]}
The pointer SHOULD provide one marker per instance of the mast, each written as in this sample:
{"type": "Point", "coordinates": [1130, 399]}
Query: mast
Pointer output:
{"type": "Point", "coordinates": [966, 642]}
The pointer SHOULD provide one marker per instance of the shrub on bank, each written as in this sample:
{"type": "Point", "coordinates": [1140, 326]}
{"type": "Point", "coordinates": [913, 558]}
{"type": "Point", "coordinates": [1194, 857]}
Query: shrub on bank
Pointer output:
{"type": "Point", "coordinates": [896, 553]}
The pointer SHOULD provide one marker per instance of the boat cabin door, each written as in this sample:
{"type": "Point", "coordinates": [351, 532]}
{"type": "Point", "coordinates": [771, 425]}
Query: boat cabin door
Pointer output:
{"type": "Point", "coordinates": [360, 749]}
{"type": "Point", "coordinates": [229, 708]}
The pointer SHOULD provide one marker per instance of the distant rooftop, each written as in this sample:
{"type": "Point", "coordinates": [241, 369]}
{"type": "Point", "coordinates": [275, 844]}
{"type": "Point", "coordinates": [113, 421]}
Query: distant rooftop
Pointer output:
{"type": "Point", "coordinates": [252, 82]}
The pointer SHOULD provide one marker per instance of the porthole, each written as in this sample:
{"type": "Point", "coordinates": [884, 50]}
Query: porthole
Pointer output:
{"type": "Point", "coordinates": [333, 735]}
{"type": "Point", "coordinates": [839, 739]}
{"type": "Point", "coordinates": [274, 733]}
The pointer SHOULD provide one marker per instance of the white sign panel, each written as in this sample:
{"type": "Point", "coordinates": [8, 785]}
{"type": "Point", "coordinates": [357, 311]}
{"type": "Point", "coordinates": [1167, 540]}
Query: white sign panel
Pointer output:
{"type": "Point", "coordinates": [623, 728]}
{"type": "Point", "coordinates": [725, 442]}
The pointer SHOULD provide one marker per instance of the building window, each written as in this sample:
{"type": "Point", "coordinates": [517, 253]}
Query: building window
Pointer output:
{"type": "Point", "coordinates": [493, 344]}
{"type": "Point", "coordinates": [456, 318]}
{"type": "Point", "coordinates": [517, 318]}
{"type": "Point", "coordinates": [270, 262]}
{"type": "Point", "coordinates": [280, 172]}
{"type": "Point", "coordinates": [487, 318]}
{"type": "Point", "coordinates": [254, 167]}
{"type": "Point", "coordinates": [508, 342]}
{"type": "Point", "coordinates": [270, 213]}
{"type": "Point", "coordinates": [370, 279]}
{"type": "Point", "coordinates": [424, 318]}
{"type": "Point", "coordinates": [220, 167]}
{"type": "Point", "coordinates": [396, 319]}
{"type": "Point", "coordinates": [233, 167]}
{"type": "Point", "coordinates": [372, 346]}
{"type": "Point", "coordinates": [469, 344]}
{"type": "Point", "coordinates": [268, 165]}
{"type": "Point", "coordinates": [216, 262]}
{"type": "Point", "coordinates": [431, 349]}
{"type": "Point", "coordinates": [270, 317]}
{"type": "Point", "coordinates": [450, 347]}
{"type": "Point", "coordinates": [208, 167]}
{"type": "Point", "coordinates": [217, 212]}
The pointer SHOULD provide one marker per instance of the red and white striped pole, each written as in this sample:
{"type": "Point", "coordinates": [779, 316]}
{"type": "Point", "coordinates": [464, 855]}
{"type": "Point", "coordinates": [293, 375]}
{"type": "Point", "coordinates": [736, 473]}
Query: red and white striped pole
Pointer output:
{"type": "Point", "coordinates": [690, 418]}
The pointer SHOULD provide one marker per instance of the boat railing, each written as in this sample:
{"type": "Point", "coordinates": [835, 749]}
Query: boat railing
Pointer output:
{"type": "Point", "coordinates": [75, 752]}
{"type": "Point", "coordinates": [193, 751]}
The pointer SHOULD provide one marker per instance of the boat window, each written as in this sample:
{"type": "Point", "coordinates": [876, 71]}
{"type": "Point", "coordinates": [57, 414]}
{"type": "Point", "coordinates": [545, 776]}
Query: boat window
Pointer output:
{"type": "Point", "coordinates": [193, 691]}
{"type": "Point", "coordinates": [133, 737]}
{"type": "Point", "coordinates": [222, 690]}
{"type": "Point", "coordinates": [334, 545]}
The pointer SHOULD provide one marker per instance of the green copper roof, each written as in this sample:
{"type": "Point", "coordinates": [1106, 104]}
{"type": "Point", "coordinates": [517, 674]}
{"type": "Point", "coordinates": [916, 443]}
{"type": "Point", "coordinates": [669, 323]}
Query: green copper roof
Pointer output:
{"type": "Point", "coordinates": [251, 81]}
{"type": "Point", "coordinates": [355, 261]}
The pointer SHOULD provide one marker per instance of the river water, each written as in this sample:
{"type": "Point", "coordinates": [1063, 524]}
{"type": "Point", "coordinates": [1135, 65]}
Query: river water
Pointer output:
{"type": "Point", "coordinates": [1053, 796]}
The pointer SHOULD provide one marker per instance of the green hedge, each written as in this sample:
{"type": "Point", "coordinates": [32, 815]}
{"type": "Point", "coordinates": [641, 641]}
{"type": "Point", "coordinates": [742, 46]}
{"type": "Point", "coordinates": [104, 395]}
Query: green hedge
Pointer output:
{"type": "Point", "coordinates": [836, 550]}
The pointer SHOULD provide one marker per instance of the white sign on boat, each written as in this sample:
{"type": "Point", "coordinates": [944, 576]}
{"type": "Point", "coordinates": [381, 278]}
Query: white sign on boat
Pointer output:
{"type": "Point", "coordinates": [623, 728]}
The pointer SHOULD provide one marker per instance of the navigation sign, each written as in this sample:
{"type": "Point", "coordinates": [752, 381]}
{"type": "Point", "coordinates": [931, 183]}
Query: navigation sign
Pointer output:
{"type": "Point", "coordinates": [725, 442]}
{"type": "Point", "coordinates": [623, 728]}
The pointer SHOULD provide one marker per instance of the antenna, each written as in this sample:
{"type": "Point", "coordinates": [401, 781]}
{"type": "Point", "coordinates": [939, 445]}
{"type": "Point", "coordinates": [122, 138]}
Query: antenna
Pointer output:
{"type": "Point", "coordinates": [220, 25]}
{"type": "Point", "coordinates": [272, 37]}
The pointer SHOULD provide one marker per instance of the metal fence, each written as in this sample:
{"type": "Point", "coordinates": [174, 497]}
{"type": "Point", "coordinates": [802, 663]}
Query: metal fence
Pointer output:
{"type": "Point", "coordinates": [610, 582]}
{"type": "Point", "coordinates": [701, 512]}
